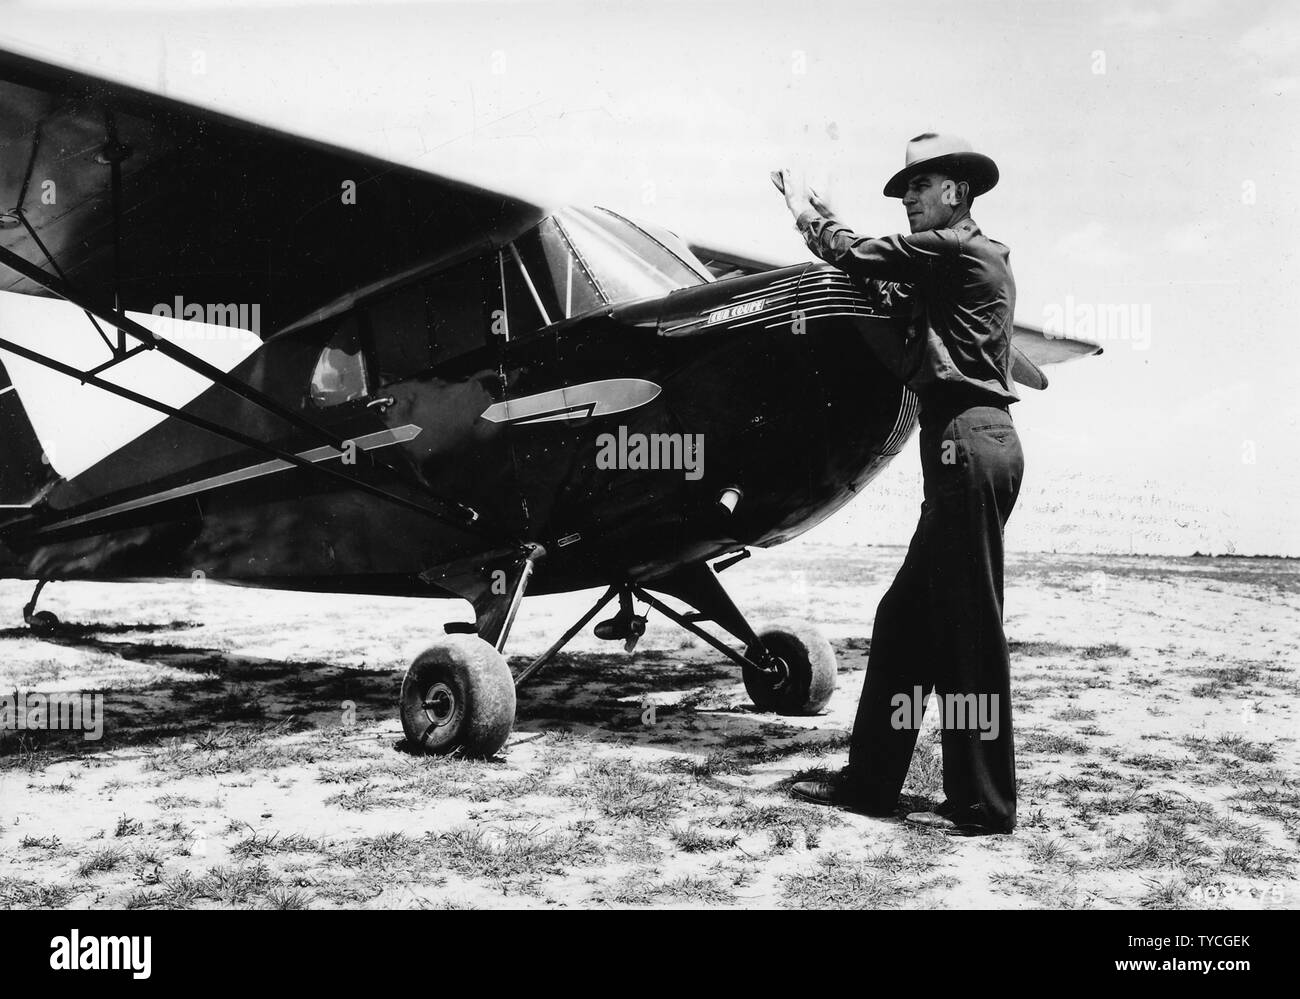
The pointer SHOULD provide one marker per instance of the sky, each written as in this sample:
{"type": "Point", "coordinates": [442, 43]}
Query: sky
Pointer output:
{"type": "Point", "coordinates": [1148, 156]}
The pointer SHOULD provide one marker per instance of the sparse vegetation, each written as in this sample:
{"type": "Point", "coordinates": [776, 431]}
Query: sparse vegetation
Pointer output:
{"type": "Point", "coordinates": [239, 787]}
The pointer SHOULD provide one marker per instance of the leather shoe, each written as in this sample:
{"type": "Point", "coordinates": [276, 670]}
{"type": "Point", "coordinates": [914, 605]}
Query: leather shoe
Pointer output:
{"type": "Point", "coordinates": [834, 792]}
{"type": "Point", "coordinates": [952, 822]}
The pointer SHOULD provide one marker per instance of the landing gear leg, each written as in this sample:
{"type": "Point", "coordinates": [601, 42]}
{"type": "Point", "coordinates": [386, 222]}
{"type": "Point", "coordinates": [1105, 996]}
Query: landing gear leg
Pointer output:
{"type": "Point", "coordinates": [458, 695]}
{"type": "Point", "coordinates": [788, 667]}
{"type": "Point", "coordinates": [39, 620]}
{"type": "Point", "coordinates": [566, 638]}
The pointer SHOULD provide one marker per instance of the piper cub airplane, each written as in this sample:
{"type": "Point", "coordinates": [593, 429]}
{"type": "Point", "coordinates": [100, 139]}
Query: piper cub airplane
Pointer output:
{"type": "Point", "coordinates": [456, 393]}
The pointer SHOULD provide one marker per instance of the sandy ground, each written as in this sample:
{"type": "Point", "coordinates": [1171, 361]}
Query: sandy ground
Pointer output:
{"type": "Point", "coordinates": [251, 753]}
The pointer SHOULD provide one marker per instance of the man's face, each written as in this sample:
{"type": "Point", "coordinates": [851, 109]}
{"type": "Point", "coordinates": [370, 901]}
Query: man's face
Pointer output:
{"type": "Point", "coordinates": [926, 204]}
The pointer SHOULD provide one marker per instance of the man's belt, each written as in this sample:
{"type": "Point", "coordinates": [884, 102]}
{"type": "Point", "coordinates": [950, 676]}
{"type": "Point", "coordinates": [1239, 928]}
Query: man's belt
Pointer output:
{"type": "Point", "coordinates": [941, 403]}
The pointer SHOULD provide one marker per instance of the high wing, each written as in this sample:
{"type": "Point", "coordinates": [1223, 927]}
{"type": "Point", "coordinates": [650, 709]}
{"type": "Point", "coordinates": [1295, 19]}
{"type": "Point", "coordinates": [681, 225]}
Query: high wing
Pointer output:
{"type": "Point", "coordinates": [119, 200]}
{"type": "Point", "coordinates": [210, 208]}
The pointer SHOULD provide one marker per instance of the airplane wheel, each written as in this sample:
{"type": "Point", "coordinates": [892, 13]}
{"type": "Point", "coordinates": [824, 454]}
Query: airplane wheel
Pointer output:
{"type": "Point", "coordinates": [808, 677]}
{"type": "Point", "coordinates": [458, 694]}
{"type": "Point", "coordinates": [43, 621]}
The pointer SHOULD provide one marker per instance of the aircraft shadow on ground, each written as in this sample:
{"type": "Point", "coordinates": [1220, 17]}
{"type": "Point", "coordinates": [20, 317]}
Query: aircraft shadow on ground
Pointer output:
{"type": "Point", "coordinates": [699, 704]}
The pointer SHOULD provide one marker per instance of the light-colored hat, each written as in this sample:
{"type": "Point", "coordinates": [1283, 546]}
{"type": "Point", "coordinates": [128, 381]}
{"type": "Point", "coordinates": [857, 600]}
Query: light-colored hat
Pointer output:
{"type": "Point", "coordinates": [930, 151]}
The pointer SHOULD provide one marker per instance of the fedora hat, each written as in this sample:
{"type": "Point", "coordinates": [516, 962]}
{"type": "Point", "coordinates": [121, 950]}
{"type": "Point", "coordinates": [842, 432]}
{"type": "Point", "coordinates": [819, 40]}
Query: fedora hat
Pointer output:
{"type": "Point", "coordinates": [931, 152]}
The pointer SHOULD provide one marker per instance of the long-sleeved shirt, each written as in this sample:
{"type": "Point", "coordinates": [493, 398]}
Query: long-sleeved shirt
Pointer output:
{"type": "Point", "coordinates": [959, 287]}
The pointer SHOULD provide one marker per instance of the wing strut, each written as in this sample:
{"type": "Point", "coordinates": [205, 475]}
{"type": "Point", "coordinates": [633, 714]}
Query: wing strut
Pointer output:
{"type": "Point", "coordinates": [127, 325]}
{"type": "Point", "coordinates": [235, 436]}
{"type": "Point", "coordinates": [112, 347]}
{"type": "Point", "coordinates": [461, 517]}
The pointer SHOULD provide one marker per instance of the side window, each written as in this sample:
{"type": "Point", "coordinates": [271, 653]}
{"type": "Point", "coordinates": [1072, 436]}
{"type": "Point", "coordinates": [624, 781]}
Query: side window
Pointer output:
{"type": "Point", "coordinates": [545, 280]}
{"type": "Point", "coordinates": [523, 305]}
{"type": "Point", "coordinates": [399, 334]}
{"type": "Point", "coordinates": [550, 259]}
{"type": "Point", "coordinates": [340, 374]}
{"type": "Point", "coordinates": [459, 308]}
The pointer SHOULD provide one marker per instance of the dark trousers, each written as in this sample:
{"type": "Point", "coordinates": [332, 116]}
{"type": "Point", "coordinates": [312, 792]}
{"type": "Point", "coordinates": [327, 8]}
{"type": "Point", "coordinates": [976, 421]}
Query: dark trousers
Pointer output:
{"type": "Point", "coordinates": [939, 626]}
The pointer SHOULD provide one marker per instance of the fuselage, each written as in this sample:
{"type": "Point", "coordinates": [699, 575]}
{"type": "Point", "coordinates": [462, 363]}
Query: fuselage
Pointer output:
{"type": "Point", "coordinates": [608, 435]}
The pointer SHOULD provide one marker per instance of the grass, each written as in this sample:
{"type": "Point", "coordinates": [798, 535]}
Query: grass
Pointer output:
{"type": "Point", "coordinates": [1049, 743]}
{"type": "Point", "coordinates": [1225, 680]}
{"type": "Point", "coordinates": [233, 751]}
{"type": "Point", "coordinates": [50, 843]}
{"type": "Point", "coordinates": [394, 849]}
{"type": "Point", "coordinates": [646, 887]}
{"type": "Point", "coordinates": [1162, 843]}
{"type": "Point", "coordinates": [841, 883]}
{"type": "Point", "coordinates": [692, 840]}
{"type": "Point", "coordinates": [1107, 650]}
{"type": "Point", "coordinates": [1170, 893]}
{"type": "Point", "coordinates": [1253, 860]}
{"type": "Point", "coordinates": [1038, 649]}
{"type": "Point", "coordinates": [99, 861]}
{"type": "Point", "coordinates": [780, 822]}
{"type": "Point", "coordinates": [619, 789]}
{"type": "Point", "coordinates": [21, 893]}
{"type": "Point", "coordinates": [698, 890]}
{"type": "Point", "coordinates": [925, 772]}
{"type": "Point", "coordinates": [1232, 746]}
{"type": "Point", "coordinates": [239, 885]}
{"type": "Point", "coordinates": [693, 813]}
{"type": "Point", "coordinates": [171, 802]}
{"type": "Point", "coordinates": [511, 854]}
{"type": "Point", "coordinates": [288, 898]}
{"type": "Point", "coordinates": [257, 845]}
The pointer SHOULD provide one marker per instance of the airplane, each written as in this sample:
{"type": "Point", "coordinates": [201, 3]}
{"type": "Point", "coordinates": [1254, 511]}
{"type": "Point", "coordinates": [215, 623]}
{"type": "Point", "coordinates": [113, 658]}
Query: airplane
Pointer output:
{"type": "Point", "coordinates": [453, 392]}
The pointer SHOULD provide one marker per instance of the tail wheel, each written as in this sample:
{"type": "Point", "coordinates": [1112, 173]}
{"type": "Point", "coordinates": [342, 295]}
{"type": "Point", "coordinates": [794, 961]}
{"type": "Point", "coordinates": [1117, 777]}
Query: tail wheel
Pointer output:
{"type": "Point", "coordinates": [458, 695]}
{"type": "Point", "coordinates": [803, 677]}
{"type": "Point", "coordinates": [43, 622]}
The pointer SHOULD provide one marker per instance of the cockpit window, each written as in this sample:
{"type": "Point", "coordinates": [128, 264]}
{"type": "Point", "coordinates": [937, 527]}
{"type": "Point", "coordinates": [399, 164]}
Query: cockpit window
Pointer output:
{"type": "Point", "coordinates": [340, 373]}
{"type": "Point", "coordinates": [545, 280]}
{"type": "Point", "coordinates": [623, 260]}
{"type": "Point", "coordinates": [562, 279]}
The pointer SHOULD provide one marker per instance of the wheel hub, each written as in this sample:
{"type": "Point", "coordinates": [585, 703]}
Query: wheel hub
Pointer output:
{"type": "Point", "coordinates": [777, 670]}
{"type": "Point", "coordinates": [439, 704]}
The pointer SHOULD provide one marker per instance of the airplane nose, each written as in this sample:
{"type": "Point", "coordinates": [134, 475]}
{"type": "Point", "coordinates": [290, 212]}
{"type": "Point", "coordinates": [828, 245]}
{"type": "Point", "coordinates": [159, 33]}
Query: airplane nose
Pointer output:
{"type": "Point", "coordinates": [855, 338]}
{"type": "Point", "coordinates": [779, 372]}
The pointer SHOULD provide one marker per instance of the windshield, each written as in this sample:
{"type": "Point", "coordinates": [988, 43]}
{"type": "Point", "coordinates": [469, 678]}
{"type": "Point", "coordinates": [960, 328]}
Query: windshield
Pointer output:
{"type": "Point", "coordinates": [581, 259]}
{"type": "Point", "coordinates": [623, 261]}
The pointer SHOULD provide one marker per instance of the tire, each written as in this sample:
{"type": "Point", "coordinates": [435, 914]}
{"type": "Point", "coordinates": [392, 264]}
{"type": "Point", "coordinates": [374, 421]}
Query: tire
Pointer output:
{"type": "Point", "coordinates": [43, 622]}
{"type": "Point", "coordinates": [809, 677]}
{"type": "Point", "coordinates": [458, 695]}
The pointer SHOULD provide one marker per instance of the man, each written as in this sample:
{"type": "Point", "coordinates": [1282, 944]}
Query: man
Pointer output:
{"type": "Point", "coordinates": [939, 626]}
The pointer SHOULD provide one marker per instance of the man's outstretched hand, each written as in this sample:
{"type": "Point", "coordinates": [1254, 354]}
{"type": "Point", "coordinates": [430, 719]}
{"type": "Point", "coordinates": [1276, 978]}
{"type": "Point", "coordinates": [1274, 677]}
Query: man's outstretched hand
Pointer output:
{"type": "Point", "coordinates": [821, 207]}
{"type": "Point", "coordinates": [796, 192]}
{"type": "Point", "coordinates": [799, 197]}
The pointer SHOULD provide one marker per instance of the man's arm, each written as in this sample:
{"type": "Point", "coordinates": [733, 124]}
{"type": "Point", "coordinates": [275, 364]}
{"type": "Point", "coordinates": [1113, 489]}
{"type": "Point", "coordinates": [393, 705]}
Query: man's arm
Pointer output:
{"type": "Point", "coordinates": [909, 259]}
